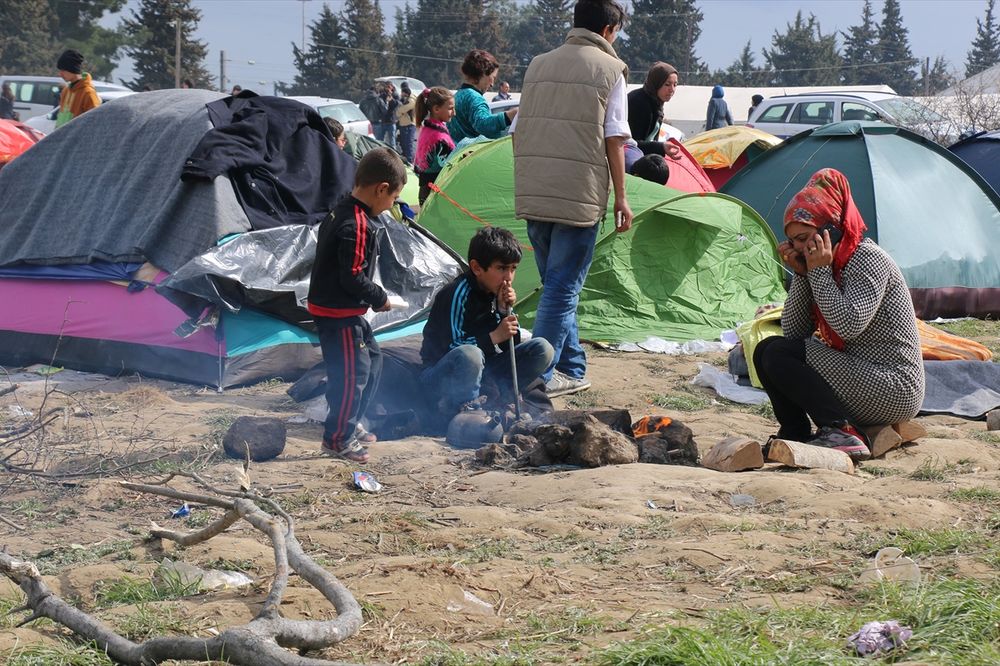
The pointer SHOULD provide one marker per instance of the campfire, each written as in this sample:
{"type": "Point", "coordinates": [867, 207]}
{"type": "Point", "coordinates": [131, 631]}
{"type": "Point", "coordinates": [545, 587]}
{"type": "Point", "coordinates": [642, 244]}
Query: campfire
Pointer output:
{"type": "Point", "coordinates": [592, 439]}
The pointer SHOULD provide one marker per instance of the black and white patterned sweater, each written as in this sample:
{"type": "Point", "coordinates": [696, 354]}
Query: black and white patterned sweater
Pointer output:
{"type": "Point", "coordinates": [880, 374]}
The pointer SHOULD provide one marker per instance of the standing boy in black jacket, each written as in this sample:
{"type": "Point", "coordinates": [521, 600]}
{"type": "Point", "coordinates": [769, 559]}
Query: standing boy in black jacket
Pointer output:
{"type": "Point", "coordinates": [340, 292]}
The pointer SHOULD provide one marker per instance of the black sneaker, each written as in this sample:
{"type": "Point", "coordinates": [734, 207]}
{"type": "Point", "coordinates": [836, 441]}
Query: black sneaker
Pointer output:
{"type": "Point", "coordinates": [844, 438]}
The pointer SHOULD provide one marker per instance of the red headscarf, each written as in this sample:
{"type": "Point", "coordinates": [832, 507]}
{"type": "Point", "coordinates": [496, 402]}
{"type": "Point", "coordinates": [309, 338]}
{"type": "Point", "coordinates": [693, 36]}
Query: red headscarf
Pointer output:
{"type": "Point", "coordinates": [826, 199]}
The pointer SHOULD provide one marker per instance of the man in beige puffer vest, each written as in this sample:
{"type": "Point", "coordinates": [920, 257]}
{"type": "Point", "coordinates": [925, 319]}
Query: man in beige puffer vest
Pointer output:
{"type": "Point", "coordinates": [568, 152]}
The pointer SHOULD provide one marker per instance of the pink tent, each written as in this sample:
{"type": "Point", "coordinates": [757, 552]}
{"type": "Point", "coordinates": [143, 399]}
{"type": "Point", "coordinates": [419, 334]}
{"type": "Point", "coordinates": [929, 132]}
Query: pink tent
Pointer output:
{"type": "Point", "coordinates": [686, 174]}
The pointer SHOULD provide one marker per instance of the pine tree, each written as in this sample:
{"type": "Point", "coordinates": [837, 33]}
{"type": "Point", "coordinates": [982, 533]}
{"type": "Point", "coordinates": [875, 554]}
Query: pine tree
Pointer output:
{"type": "Point", "coordinates": [537, 28]}
{"type": "Point", "coordinates": [860, 44]}
{"type": "Point", "coordinates": [77, 27]}
{"type": "Point", "coordinates": [368, 52]}
{"type": "Point", "coordinates": [151, 30]}
{"type": "Point", "coordinates": [803, 56]}
{"type": "Point", "coordinates": [664, 30]}
{"type": "Point", "coordinates": [986, 49]}
{"type": "Point", "coordinates": [321, 67]}
{"type": "Point", "coordinates": [938, 78]}
{"type": "Point", "coordinates": [26, 45]}
{"type": "Point", "coordinates": [896, 61]}
{"type": "Point", "coordinates": [439, 33]}
{"type": "Point", "coordinates": [743, 72]}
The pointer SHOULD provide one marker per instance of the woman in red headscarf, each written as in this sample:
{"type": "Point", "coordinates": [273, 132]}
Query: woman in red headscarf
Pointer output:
{"type": "Point", "coordinates": [850, 354]}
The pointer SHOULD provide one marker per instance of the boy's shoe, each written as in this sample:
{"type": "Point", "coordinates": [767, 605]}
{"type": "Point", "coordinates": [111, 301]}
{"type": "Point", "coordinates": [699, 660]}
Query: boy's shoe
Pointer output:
{"type": "Point", "coordinates": [350, 450]}
{"type": "Point", "coordinates": [362, 435]}
{"type": "Point", "coordinates": [844, 438]}
{"type": "Point", "coordinates": [562, 384]}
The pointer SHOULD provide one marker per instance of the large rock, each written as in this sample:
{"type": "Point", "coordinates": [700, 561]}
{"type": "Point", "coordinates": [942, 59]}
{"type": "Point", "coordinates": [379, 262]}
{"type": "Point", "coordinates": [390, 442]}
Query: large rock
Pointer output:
{"type": "Point", "coordinates": [265, 436]}
{"type": "Point", "coordinates": [595, 444]}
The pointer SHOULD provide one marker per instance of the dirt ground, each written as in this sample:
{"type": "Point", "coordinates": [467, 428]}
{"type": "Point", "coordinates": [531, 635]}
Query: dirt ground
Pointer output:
{"type": "Point", "coordinates": [451, 561]}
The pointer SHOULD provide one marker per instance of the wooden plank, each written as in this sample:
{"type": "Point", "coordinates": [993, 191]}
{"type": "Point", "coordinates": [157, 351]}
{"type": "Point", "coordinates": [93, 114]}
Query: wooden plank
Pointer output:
{"type": "Point", "coordinates": [910, 431]}
{"type": "Point", "coordinates": [797, 454]}
{"type": "Point", "coordinates": [883, 439]}
{"type": "Point", "coordinates": [734, 454]}
{"type": "Point", "coordinates": [993, 420]}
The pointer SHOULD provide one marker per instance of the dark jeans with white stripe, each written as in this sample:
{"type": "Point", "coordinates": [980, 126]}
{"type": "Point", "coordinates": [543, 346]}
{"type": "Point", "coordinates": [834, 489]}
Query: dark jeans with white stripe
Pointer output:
{"type": "Point", "coordinates": [353, 366]}
{"type": "Point", "coordinates": [797, 392]}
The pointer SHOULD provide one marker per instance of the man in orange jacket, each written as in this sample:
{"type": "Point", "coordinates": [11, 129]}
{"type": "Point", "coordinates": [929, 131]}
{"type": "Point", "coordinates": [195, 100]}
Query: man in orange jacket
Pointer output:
{"type": "Point", "coordinates": [78, 95]}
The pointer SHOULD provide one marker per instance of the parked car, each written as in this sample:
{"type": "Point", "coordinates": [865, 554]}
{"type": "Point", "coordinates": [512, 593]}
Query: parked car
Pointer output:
{"type": "Point", "coordinates": [35, 95]}
{"type": "Point", "coordinates": [46, 123]}
{"type": "Point", "coordinates": [416, 85]}
{"type": "Point", "coordinates": [787, 115]}
{"type": "Point", "coordinates": [347, 112]}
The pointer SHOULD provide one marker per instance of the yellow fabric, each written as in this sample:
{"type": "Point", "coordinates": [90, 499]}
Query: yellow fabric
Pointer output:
{"type": "Point", "coordinates": [720, 148]}
{"type": "Point", "coordinates": [938, 345]}
{"type": "Point", "coordinates": [752, 332]}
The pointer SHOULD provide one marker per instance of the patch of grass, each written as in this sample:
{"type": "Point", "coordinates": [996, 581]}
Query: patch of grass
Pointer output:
{"type": "Point", "coordinates": [915, 542]}
{"type": "Point", "coordinates": [219, 424]}
{"type": "Point", "coordinates": [227, 564]}
{"type": "Point", "coordinates": [147, 621]}
{"type": "Point", "coordinates": [198, 519]}
{"type": "Point", "coordinates": [765, 411]}
{"type": "Point", "coordinates": [988, 436]}
{"type": "Point", "coordinates": [266, 386]}
{"type": "Point", "coordinates": [953, 622]}
{"type": "Point", "coordinates": [127, 590]}
{"type": "Point", "coordinates": [565, 624]}
{"type": "Point", "coordinates": [879, 470]}
{"type": "Point", "coordinates": [588, 399]}
{"type": "Point", "coordinates": [52, 560]}
{"type": "Point", "coordinates": [931, 470]}
{"type": "Point", "coordinates": [63, 653]}
{"type": "Point", "coordinates": [681, 401]}
{"type": "Point", "coordinates": [980, 494]}
{"type": "Point", "coordinates": [30, 508]}
{"type": "Point", "coordinates": [448, 656]}
{"type": "Point", "coordinates": [491, 549]}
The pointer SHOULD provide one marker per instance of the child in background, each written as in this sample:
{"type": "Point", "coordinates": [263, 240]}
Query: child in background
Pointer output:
{"type": "Point", "coordinates": [653, 168]}
{"type": "Point", "coordinates": [341, 291]}
{"type": "Point", "coordinates": [435, 107]}
{"type": "Point", "coordinates": [337, 130]}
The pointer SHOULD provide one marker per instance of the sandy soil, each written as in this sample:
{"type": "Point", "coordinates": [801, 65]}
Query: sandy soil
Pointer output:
{"type": "Point", "coordinates": [452, 557]}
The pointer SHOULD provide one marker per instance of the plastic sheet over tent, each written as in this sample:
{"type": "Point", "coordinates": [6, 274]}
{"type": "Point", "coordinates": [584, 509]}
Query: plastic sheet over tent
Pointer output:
{"type": "Point", "coordinates": [269, 271]}
{"type": "Point", "coordinates": [693, 265]}
{"type": "Point", "coordinates": [930, 211]}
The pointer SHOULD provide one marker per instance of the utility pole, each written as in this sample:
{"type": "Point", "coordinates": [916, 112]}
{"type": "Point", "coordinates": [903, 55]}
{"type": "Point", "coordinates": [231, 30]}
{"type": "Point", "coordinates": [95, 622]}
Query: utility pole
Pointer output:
{"type": "Point", "coordinates": [302, 44]}
{"type": "Point", "coordinates": [927, 76]}
{"type": "Point", "coordinates": [177, 52]}
{"type": "Point", "coordinates": [222, 71]}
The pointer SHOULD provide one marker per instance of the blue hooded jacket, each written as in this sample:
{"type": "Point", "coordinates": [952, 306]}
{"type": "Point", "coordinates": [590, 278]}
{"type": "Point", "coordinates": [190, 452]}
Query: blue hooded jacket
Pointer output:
{"type": "Point", "coordinates": [718, 111]}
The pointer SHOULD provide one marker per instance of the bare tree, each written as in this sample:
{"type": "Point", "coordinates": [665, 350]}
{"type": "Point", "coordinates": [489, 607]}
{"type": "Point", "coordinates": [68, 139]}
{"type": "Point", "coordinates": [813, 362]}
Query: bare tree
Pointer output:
{"type": "Point", "coordinates": [264, 641]}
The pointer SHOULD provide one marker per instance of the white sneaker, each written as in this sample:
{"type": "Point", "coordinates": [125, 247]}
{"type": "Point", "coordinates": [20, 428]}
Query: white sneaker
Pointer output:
{"type": "Point", "coordinates": [562, 384]}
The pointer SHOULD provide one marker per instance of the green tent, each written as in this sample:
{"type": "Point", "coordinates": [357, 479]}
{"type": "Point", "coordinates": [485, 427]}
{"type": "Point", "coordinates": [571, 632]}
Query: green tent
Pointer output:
{"type": "Point", "coordinates": [359, 144]}
{"type": "Point", "coordinates": [692, 265]}
{"type": "Point", "coordinates": [930, 211]}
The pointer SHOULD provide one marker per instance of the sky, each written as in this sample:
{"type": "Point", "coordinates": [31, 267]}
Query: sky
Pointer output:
{"type": "Point", "coordinates": [262, 31]}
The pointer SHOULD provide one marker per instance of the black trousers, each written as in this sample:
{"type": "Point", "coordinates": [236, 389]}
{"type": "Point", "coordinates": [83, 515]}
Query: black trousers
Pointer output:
{"type": "Point", "coordinates": [797, 391]}
{"type": "Point", "coordinates": [353, 366]}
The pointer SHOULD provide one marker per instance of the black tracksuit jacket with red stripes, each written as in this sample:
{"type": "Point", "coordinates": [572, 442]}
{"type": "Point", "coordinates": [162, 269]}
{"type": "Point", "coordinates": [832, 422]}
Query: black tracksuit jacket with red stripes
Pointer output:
{"type": "Point", "coordinates": [346, 253]}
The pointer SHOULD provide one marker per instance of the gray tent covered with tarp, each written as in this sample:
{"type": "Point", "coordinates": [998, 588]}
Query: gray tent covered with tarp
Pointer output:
{"type": "Point", "coordinates": [96, 214]}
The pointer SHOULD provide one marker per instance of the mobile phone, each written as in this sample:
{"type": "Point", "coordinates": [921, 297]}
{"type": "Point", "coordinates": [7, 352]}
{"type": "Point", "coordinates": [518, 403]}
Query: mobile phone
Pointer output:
{"type": "Point", "coordinates": [835, 233]}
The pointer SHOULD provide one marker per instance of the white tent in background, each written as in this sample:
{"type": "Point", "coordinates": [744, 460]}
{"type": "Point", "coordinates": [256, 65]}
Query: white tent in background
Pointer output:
{"type": "Point", "coordinates": [986, 82]}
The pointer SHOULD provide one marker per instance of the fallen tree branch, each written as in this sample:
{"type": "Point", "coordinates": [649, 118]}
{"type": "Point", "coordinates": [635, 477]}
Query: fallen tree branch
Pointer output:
{"type": "Point", "coordinates": [267, 640]}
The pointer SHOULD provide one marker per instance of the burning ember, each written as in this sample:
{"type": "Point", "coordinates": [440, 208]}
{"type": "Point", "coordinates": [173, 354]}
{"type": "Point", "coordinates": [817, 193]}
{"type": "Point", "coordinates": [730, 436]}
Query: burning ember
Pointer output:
{"type": "Point", "coordinates": [650, 424]}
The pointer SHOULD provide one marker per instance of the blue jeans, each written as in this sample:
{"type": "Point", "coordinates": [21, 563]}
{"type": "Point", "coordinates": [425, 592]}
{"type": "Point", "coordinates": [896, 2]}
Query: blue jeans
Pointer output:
{"type": "Point", "coordinates": [408, 141]}
{"type": "Point", "coordinates": [456, 378]}
{"type": "Point", "coordinates": [387, 135]}
{"type": "Point", "coordinates": [563, 254]}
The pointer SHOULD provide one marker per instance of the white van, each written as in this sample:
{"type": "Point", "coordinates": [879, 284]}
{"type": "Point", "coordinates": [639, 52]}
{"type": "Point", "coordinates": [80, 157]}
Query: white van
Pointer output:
{"type": "Point", "coordinates": [36, 95]}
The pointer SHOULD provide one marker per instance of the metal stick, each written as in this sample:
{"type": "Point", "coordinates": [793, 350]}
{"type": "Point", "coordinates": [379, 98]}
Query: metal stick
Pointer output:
{"type": "Point", "coordinates": [513, 370]}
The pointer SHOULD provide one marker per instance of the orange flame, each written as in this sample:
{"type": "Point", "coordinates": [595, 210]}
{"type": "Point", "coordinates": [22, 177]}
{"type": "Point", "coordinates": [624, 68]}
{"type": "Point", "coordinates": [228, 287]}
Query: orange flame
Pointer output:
{"type": "Point", "coordinates": [649, 424]}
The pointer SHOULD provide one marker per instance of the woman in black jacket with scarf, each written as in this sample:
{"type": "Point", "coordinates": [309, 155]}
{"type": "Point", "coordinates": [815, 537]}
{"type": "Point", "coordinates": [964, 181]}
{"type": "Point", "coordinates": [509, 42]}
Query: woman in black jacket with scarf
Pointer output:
{"type": "Point", "coordinates": [645, 108]}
